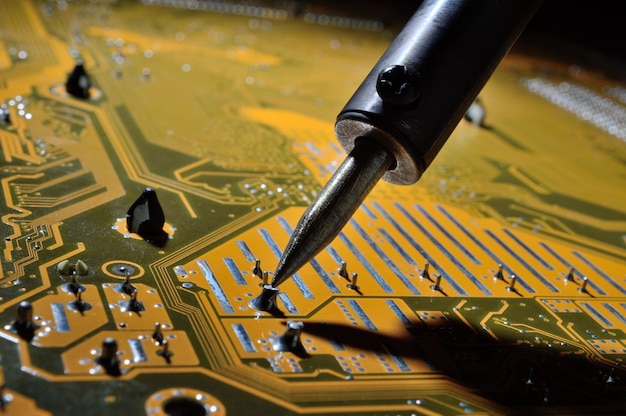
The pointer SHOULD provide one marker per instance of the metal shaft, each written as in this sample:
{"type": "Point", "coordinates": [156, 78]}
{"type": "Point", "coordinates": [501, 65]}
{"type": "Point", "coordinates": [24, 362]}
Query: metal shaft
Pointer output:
{"type": "Point", "coordinates": [334, 205]}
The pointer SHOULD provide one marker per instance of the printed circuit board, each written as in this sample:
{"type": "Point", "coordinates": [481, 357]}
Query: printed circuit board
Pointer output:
{"type": "Point", "coordinates": [496, 285]}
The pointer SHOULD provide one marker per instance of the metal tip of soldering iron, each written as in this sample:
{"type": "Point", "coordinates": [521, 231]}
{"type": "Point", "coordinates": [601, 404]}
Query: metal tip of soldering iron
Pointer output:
{"type": "Point", "coordinates": [334, 205]}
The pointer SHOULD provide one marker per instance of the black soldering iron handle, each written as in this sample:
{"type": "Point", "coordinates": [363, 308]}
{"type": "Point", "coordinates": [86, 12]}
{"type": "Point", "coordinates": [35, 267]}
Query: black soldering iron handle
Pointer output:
{"type": "Point", "coordinates": [422, 85]}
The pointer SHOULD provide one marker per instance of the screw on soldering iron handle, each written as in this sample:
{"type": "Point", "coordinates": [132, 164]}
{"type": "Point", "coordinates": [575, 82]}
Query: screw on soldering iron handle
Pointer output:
{"type": "Point", "coordinates": [422, 85]}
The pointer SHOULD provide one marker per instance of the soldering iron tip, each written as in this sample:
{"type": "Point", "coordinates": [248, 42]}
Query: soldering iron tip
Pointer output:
{"type": "Point", "coordinates": [334, 205]}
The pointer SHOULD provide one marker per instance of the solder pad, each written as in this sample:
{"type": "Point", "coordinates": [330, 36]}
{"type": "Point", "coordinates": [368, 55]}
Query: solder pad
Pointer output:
{"type": "Point", "coordinates": [227, 111]}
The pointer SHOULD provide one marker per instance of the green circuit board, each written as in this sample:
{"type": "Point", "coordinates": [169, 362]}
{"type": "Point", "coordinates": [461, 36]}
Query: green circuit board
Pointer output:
{"type": "Point", "coordinates": [495, 285]}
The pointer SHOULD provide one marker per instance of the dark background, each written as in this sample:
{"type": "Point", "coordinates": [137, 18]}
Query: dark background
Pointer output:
{"type": "Point", "coordinates": [591, 32]}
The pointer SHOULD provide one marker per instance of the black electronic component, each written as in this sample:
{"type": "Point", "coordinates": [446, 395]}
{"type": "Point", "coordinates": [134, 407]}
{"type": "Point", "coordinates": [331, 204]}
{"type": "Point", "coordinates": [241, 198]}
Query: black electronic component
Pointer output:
{"type": "Point", "coordinates": [108, 358]}
{"type": "Point", "coordinates": [23, 324]}
{"type": "Point", "coordinates": [78, 82]}
{"type": "Point", "coordinates": [145, 217]}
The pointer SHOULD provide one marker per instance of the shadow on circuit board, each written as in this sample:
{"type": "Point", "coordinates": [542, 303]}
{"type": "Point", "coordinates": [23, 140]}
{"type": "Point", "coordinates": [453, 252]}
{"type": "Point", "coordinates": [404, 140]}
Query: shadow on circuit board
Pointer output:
{"type": "Point", "coordinates": [515, 376]}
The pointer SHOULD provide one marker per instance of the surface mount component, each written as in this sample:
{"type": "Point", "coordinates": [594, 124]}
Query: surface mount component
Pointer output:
{"type": "Point", "coordinates": [78, 83]}
{"type": "Point", "coordinates": [108, 359]}
{"type": "Point", "coordinates": [24, 326]}
{"type": "Point", "coordinates": [145, 217]}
